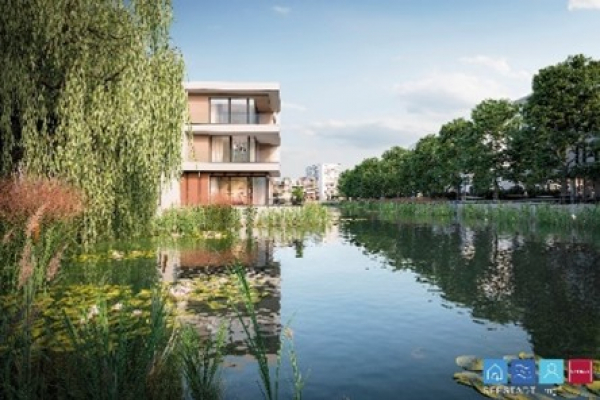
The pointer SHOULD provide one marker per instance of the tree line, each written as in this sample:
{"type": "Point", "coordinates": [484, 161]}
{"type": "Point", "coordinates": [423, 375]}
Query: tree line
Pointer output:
{"type": "Point", "coordinates": [551, 136]}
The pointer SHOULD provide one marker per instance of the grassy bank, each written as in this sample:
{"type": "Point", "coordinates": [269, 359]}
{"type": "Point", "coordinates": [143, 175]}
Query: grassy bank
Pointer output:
{"type": "Point", "coordinates": [563, 216]}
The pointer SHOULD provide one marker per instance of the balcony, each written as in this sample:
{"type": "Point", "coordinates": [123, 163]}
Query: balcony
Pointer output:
{"type": "Point", "coordinates": [272, 168]}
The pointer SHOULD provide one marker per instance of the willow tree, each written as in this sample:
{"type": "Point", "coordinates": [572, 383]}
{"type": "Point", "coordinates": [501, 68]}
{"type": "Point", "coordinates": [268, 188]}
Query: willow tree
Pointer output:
{"type": "Point", "coordinates": [91, 92]}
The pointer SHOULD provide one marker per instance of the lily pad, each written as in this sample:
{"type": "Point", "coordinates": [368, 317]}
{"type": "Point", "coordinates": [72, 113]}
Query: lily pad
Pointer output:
{"type": "Point", "coordinates": [470, 363]}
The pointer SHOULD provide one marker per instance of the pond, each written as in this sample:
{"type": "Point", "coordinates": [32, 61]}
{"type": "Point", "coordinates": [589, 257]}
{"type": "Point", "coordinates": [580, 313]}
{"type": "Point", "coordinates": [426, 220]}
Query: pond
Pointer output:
{"type": "Point", "coordinates": [381, 310]}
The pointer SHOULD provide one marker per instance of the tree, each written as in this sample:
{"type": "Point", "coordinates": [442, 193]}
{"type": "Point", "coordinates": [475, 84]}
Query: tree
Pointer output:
{"type": "Point", "coordinates": [394, 168]}
{"type": "Point", "coordinates": [91, 92]}
{"type": "Point", "coordinates": [297, 195]}
{"type": "Point", "coordinates": [494, 121]}
{"type": "Point", "coordinates": [425, 166]}
{"type": "Point", "coordinates": [454, 151]}
{"type": "Point", "coordinates": [563, 113]}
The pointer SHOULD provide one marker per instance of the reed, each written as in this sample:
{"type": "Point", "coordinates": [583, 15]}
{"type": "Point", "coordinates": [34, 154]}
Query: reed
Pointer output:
{"type": "Point", "coordinates": [564, 216]}
{"type": "Point", "coordinates": [200, 362]}
{"type": "Point", "coordinates": [308, 216]}
{"type": "Point", "coordinates": [256, 343]}
{"type": "Point", "coordinates": [196, 221]}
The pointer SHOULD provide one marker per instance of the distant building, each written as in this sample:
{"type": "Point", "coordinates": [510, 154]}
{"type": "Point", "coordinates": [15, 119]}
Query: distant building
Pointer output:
{"type": "Point", "coordinates": [309, 186]}
{"type": "Point", "coordinates": [282, 190]}
{"type": "Point", "coordinates": [326, 176]}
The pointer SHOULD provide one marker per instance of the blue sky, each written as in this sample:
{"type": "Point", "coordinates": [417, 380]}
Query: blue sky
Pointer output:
{"type": "Point", "coordinates": [358, 77]}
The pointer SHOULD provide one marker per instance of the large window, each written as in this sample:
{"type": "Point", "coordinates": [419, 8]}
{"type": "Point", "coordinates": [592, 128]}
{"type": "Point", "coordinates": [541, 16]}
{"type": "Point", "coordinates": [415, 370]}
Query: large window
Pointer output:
{"type": "Point", "coordinates": [232, 110]}
{"type": "Point", "coordinates": [239, 190]}
{"type": "Point", "coordinates": [238, 149]}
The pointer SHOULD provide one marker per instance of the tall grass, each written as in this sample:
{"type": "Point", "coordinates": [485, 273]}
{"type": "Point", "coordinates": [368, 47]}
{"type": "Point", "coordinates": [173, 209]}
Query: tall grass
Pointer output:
{"type": "Point", "coordinates": [256, 342]}
{"type": "Point", "coordinates": [308, 216]}
{"type": "Point", "coordinates": [563, 216]}
{"type": "Point", "coordinates": [201, 363]}
{"type": "Point", "coordinates": [195, 221]}
{"type": "Point", "coordinates": [54, 343]}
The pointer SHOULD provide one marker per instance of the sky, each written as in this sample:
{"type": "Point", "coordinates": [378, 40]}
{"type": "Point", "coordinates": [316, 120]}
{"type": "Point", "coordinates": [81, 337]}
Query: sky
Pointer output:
{"type": "Point", "coordinates": [358, 77]}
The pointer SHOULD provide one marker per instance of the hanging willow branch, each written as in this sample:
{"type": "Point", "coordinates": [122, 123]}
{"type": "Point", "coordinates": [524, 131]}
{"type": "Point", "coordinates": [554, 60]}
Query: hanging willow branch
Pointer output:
{"type": "Point", "coordinates": [91, 92]}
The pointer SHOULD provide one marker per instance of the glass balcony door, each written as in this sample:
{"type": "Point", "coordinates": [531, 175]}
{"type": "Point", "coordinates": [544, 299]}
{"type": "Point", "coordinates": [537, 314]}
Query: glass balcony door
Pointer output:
{"type": "Point", "coordinates": [237, 149]}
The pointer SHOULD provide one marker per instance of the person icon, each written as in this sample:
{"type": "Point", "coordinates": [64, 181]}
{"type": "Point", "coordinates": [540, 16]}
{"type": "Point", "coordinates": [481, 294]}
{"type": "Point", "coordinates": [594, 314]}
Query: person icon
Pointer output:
{"type": "Point", "coordinates": [551, 372]}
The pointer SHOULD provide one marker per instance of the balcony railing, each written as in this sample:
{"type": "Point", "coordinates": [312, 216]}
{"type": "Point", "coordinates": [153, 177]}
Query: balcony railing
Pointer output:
{"type": "Point", "coordinates": [243, 118]}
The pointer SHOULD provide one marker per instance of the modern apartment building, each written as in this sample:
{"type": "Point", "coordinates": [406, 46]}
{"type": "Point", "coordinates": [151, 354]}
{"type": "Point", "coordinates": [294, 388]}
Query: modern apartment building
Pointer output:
{"type": "Point", "coordinates": [231, 149]}
{"type": "Point", "coordinates": [326, 176]}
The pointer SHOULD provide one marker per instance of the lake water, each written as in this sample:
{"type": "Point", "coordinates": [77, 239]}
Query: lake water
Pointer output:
{"type": "Point", "coordinates": [381, 310]}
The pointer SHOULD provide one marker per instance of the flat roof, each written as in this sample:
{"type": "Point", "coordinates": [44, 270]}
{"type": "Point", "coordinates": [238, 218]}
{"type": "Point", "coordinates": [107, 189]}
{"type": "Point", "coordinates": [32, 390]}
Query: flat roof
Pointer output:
{"type": "Point", "coordinates": [271, 89]}
{"type": "Point", "coordinates": [201, 86]}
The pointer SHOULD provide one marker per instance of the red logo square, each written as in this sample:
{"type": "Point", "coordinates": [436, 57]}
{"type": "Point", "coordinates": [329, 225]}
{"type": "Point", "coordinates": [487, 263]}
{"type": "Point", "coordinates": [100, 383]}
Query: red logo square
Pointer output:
{"type": "Point", "coordinates": [580, 371]}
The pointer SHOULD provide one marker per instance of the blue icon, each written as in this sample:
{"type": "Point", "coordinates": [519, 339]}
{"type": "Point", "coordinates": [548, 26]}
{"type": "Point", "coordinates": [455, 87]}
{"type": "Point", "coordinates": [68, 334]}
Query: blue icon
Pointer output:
{"type": "Point", "coordinates": [552, 372]}
{"type": "Point", "coordinates": [495, 371]}
{"type": "Point", "coordinates": [522, 372]}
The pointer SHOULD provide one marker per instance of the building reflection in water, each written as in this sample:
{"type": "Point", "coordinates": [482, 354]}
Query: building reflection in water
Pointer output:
{"type": "Point", "coordinates": [210, 260]}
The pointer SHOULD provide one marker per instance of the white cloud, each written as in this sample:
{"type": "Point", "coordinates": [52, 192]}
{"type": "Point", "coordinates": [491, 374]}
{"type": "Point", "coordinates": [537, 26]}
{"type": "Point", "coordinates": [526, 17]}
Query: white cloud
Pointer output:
{"type": "Point", "coordinates": [292, 106]}
{"type": "Point", "coordinates": [372, 134]}
{"type": "Point", "coordinates": [445, 94]}
{"type": "Point", "coordinates": [583, 5]}
{"type": "Point", "coordinates": [281, 10]}
{"type": "Point", "coordinates": [497, 64]}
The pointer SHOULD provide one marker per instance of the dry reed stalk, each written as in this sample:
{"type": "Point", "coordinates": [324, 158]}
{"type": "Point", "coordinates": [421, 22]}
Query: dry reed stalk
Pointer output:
{"type": "Point", "coordinates": [54, 264]}
{"type": "Point", "coordinates": [26, 266]}
{"type": "Point", "coordinates": [7, 236]}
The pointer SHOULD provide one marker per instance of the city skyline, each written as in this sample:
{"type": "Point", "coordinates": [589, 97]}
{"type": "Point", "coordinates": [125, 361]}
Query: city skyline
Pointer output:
{"type": "Point", "coordinates": [357, 79]}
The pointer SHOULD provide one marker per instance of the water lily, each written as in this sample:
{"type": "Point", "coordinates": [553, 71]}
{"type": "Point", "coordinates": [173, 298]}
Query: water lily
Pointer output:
{"type": "Point", "coordinates": [94, 310]}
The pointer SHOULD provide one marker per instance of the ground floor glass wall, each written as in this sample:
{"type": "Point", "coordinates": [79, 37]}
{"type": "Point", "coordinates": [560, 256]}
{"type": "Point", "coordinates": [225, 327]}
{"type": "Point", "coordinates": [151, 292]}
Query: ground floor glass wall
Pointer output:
{"type": "Point", "coordinates": [238, 190]}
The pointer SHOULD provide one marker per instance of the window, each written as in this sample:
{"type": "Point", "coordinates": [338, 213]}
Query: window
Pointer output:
{"type": "Point", "coordinates": [239, 149]}
{"type": "Point", "coordinates": [219, 111]}
{"type": "Point", "coordinates": [221, 149]}
{"type": "Point", "coordinates": [232, 110]}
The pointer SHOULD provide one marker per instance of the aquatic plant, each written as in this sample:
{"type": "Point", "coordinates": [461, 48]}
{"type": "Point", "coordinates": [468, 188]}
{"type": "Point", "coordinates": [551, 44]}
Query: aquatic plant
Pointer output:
{"type": "Point", "coordinates": [257, 347]}
{"type": "Point", "coordinates": [200, 360]}
{"type": "Point", "coordinates": [522, 214]}
{"type": "Point", "coordinates": [197, 221]}
{"type": "Point", "coordinates": [308, 216]}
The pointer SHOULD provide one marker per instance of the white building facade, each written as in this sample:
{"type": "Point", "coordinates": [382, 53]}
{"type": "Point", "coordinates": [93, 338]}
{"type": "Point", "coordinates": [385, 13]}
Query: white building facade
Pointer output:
{"type": "Point", "coordinates": [326, 176]}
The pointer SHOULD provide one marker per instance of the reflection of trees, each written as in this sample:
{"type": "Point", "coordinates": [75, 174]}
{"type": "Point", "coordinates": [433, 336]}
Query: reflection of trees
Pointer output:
{"type": "Point", "coordinates": [552, 291]}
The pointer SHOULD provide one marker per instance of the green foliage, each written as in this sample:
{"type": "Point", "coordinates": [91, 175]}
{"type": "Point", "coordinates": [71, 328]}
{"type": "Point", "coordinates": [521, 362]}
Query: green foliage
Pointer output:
{"type": "Point", "coordinates": [308, 216]}
{"type": "Point", "coordinates": [88, 342]}
{"type": "Point", "coordinates": [257, 345]}
{"type": "Point", "coordinates": [91, 92]}
{"type": "Point", "coordinates": [201, 362]}
{"type": "Point", "coordinates": [552, 136]}
{"type": "Point", "coordinates": [196, 221]}
{"type": "Point", "coordinates": [562, 113]}
{"type": "Point", "coordinates": [297, 195]}
{"type": "Point", "coordinates": [494, 122]}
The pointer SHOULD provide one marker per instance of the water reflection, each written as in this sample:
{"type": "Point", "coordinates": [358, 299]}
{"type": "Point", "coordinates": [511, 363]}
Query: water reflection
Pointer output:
{"type": "Point", "coordinates": [549, 286]}
{"type": "Point", "coordinates": [200, 263]}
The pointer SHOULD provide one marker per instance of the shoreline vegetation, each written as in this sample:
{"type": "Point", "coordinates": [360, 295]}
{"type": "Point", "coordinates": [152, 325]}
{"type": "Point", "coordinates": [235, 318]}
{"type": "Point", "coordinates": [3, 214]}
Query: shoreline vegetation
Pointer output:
{"type": "Point", "coordinates": [218, 221]}
{"type": "Point", "coordinates": [64, 339]}
{"type": "Point", "coordinates": [525, 213]}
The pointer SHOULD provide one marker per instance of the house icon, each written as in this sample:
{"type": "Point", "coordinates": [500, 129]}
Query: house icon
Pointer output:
{"type": "Point", "coordinates": [494, 374]}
